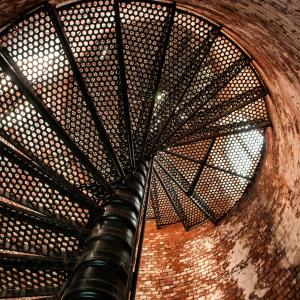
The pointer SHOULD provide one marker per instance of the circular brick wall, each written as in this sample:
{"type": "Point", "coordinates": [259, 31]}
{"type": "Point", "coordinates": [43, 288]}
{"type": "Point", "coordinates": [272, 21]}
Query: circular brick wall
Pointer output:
{"type": "Point", "coordinates": [255, 252]}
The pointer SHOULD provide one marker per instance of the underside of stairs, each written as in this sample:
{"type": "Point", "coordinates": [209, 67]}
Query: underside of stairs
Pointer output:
{"type": "Point", "coordinates": [113, 111]}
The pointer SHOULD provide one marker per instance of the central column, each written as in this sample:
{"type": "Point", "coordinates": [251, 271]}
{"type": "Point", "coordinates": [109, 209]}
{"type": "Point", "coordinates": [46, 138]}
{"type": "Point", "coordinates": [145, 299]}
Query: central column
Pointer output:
{"type": "Point", "coordinates": [104, 268]}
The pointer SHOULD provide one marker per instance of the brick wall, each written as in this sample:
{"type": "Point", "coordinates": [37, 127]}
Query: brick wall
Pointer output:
{"type": "Point", "coordinates": [255, 252]}
{"type": "Point", "coordinates": [239, 259]}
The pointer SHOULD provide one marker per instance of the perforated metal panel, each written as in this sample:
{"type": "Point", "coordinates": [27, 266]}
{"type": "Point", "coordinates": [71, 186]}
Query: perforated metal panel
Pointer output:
{"type": "Point", "coordinates": [31, 237]}
{"type": "Point", "coordinates": [188, 43]}
{"type": "Point", "coordinates": [228, 189]}
{"type": "Point", "coordinates": [187, 168]}
{"type": "Point", "coordinates": [95, 50]}
{"type": "Point", "coordinates": [36, 48]}
{"type": "Point", "coordinates": [144, 29]}
{"type": "Point", "coordinates": [170, 191]}
{"type": "Point", "coordinates": [31, 191]}
{"type": "Point", "coordinates": [90, 89]}
{"type": "Point", "coordinates": [194, 151]}
{"type": "Point", "coordinates": [21, 122]}
{"type": "Point", "coordinates": [194, 215]}
{"type": "Point", "coordinates": [181, 182]}
{"type": "Point", "coordinates": [17, 281]}
{"type": "Point", "coordinates": [236, 96]}
{"type": "Point", "coordinates": [185, 207]}
{"type": "Point", "coordinates": [163, 209]}
{"type": "Point", "coordinates": [150, 210]}
{"type": "Point", "coordinates": [238, 153]}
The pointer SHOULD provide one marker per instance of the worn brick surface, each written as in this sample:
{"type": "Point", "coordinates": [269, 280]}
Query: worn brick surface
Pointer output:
{"type": "Point", "coordinates": [255, 252]}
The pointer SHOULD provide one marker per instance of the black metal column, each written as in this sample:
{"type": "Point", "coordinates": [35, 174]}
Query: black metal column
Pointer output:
{"type": "Point", "coordinates": [103, 269]}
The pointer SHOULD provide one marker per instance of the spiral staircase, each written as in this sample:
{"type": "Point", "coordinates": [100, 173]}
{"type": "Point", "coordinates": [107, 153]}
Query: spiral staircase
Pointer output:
{"type": "Point", "coordinates": [111, 112]}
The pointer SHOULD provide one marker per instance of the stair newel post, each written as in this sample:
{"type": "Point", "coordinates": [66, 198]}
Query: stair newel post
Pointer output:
{"type": "Point", "coordinates": [104, 267]}
{"type": "Point", "coordinates": [136, 259]}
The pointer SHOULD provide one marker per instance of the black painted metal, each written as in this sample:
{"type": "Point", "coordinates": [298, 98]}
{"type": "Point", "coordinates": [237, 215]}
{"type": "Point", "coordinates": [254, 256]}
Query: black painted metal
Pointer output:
{"type": "Point", "coordinates": [172, 196]}
{"type": "Point", "coordinates": [103, 269]}
{"type": "Point", "coordinates": [203, 97]}
{"type": "Point", "coordinates": [46, 293]}
{"type": "Point", "coordinates": [185, 82]}
{"type": "Point", "coordinates": [232, 129]}
{"type": "Point", "coordinates": [11, 68]}
{"type": "Point", "coordinates": [207, 165]}
{"type": "Point", "coordinates": [36, 262]}
{"type": "Point", "coordinates": [242, 143]}
{"type": "Point", "coordinates": [34, 218]}
{"type": "Point", "coordinates": [201, 167]}
{"type": "Point", "coordinates": [38, 168]}
{"type": "Point", "coordinates": [184, 186]}
{"type": "Point", "coordinates": [135, 263]}
{"type": "Point", "coordinates": [80, 236]}
{"type": "Point", "coordinates": [123, 88]}
{"type": "Point", "coordinates": [87, 97]}
{"type": "Point", "coordinates": [224, 109]}
{"type": "Point", "coordinates": [228, 172]}
{"type": "Point", "coordinates": [161, 60]}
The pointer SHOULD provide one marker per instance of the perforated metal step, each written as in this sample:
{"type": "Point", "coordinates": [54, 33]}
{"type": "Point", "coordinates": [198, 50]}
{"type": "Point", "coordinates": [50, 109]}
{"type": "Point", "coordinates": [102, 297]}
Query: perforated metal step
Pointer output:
{"type": "Point", "coordinates": [88, 90]}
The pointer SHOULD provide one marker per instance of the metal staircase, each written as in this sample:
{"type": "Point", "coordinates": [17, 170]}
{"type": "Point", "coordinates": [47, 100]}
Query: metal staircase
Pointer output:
{"type": "Point", "coordinates": [112, 111]}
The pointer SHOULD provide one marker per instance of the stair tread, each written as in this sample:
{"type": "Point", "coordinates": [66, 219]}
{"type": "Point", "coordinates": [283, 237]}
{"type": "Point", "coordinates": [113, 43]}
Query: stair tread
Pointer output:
{"type": "Point", "coordinates": [90, 89]}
